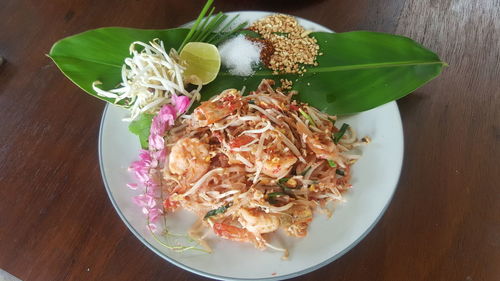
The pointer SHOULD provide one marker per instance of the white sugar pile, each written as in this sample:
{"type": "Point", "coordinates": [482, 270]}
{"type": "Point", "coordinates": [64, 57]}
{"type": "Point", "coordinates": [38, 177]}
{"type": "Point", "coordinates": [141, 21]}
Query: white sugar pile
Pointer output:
{"type": "Point", "coordinates": [240, 55]}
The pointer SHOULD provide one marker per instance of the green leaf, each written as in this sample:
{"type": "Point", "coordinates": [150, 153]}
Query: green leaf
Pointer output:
{"type": "Point", "coordinates": [358, 71]}
{"type": "Point", "coordinates": [141, 127]}
{"type": "Point", "coordinates": [99, 54]}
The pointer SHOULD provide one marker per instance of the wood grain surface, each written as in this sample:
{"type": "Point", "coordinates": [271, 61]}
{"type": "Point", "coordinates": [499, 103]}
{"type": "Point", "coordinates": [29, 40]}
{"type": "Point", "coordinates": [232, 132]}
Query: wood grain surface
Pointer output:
{"type": "Point", "coordinates": [56, 222]}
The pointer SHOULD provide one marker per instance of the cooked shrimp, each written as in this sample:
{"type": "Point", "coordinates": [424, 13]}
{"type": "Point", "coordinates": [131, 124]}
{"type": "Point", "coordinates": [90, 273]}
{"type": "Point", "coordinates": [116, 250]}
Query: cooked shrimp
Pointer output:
{"type": "Point", "coordinates": [237, 234]}
{"type": "Point", "coordinates": [320, 144]}
{"type": "Point", "coordinates": [278, 165]}
{"type": "Point", "coordinates": [324, 148]}
{"type": "Point", "coordinates": [190, 158]}
{"type": "Point", "coordinates": [210, 112]}
{"type": "Point", "coordinates": [258, 222]}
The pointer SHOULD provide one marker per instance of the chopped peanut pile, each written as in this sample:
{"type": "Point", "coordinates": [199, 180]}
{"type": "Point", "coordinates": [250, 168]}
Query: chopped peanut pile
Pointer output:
{"type": "Point", "coordinates": [293, 48]}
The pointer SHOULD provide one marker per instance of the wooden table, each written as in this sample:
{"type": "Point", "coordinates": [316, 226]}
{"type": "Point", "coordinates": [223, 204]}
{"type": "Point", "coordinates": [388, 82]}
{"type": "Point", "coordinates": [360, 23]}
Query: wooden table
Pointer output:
{"type": "Point", "coordinates": [57, 223]}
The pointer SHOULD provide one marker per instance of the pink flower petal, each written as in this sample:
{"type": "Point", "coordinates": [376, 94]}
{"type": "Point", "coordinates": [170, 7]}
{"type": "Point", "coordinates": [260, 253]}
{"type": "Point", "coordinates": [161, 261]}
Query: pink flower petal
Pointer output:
{"type": "Point", "coordinates": [153, 227]}
{"type": "Point", "coordinates": [151, 160]}
{"type": "Point", "coordinates": [132, 186]}
{"type": "Point", "coordinates": [144, 155]}
{"type": "Point", "coordinates": [144, 200]}
{"type": "Point", "coordinates": [154, 214]}
{"type": "Point", "coordinates": [142, 176]}
{"type": "Point", "coordinates": [156, 142]}
{"type": "Point", "coordinates": [181, 103]}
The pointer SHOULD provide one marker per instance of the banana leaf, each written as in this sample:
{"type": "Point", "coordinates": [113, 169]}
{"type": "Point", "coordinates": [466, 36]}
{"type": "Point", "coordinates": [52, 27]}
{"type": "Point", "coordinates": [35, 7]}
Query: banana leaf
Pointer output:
{"type": "Point", "coordinates": [358, 70]}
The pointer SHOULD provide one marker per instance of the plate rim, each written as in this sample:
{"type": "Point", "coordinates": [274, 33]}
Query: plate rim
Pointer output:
{"type": "Point", "coordinates": [219, 277]}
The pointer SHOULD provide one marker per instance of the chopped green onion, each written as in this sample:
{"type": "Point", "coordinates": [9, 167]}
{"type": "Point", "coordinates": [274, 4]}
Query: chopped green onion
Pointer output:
{"type": "Point", "coordinates": [273, 195]}
{"type": "Point", "coordinates": [332, 120]}
{"type": "Point", "coordinates": [340, 172]}
{"type": "Point", "coordinates": [281, 183]}
{"type": "Point", "coordinates": [286, 190]}
{"type": "Point", "coordinates": [283, 180]}
{"type": "Point", "coordinates": [307, 117]}
{"type": "Point", "coordinates": [332, 163]}
{"type": "Point", "coordinates": [214, 212]}
{"type": "Point", "coordinates": [338, 135]}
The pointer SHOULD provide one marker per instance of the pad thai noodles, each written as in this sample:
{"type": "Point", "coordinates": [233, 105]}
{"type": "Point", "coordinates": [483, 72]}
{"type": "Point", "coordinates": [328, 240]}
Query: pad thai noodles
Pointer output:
{"type": "Point", "coordinates": [248, 165]}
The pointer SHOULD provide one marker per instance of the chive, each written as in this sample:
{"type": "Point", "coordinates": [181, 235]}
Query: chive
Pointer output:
{"type": "Point", "coordinates": [214, 35]}
{"type": "Point", "coordinates": [214, 212]}
{"type": "Point", "coordinates": [286, 190]}
{"type": "Point", "coordinates": [284, 34]}
{"type": "Point", "coordinates": [332, 120]}
{"type": "Point", "coordinates": [338, 135]}
{"type": "Point", "coordinates": [273, 195]}
{"type": "Point", "coordinates": [210, 25]}
{"type": "Point", "coordinates": [226, 35]}
{"type": "Point", "coordinates": [220, 18]}
{"type": "Point", "coordinates": [332, 163]}
{"type": "Point", "coordinates": [283, 180]}
{"type": "Point", "coordinates": [340, 172]}
{"type": "Point", "coordinates": [249, 33]}
{"type": "Point", "coordinates": [196, 23]}
{"type": "Point", "coordinates": [203, 29]}
{"type": "Point", "coordinates": [307, 117]}
{"type": "Point", "coordinates": [305, 171]}
{"type": "Point", "coordinates": [203, 24]}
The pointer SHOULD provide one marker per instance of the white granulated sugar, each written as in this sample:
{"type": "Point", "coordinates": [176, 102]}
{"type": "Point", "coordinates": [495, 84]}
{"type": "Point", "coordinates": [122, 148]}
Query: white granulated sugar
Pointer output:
{"type": "Point", "coordinates": [240, 55]}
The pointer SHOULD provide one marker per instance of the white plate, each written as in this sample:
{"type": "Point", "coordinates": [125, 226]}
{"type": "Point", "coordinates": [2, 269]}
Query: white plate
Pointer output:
{"type": "Point", "coordinates": [375, 178]}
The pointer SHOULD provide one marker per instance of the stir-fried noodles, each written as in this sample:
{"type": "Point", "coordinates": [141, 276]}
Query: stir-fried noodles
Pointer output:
{"type": "Point", "coordinates": [249, 165]}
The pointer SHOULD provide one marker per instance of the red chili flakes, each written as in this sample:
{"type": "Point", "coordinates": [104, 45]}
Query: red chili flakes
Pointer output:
{"type": "Point", "coordinates": [267, 49]}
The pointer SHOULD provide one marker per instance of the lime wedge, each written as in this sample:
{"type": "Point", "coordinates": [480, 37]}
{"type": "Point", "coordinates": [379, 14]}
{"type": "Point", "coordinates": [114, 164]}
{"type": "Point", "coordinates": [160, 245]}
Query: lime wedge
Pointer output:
{"type": "Point", "coordinates": [201, 60]}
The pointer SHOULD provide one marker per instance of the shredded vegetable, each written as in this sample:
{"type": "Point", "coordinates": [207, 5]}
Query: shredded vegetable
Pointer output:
{"type": "Point", "coordinates": [151, 78]}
